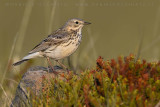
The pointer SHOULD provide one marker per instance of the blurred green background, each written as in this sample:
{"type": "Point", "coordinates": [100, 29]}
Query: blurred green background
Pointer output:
{"type": "Point", "coordinates": [119, 27]}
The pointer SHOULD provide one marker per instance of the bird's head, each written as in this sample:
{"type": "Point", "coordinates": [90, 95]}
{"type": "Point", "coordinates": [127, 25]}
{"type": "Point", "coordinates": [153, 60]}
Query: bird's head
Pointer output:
{"type": "Point", "coordinates": [75, 24]}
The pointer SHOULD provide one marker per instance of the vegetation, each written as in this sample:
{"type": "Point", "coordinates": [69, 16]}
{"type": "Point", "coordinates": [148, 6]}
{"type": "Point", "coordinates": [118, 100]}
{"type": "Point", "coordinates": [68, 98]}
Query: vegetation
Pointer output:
{"type": "Point", "coordinates": [125, 82]}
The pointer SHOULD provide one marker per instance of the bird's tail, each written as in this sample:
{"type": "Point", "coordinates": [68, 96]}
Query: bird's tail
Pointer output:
{"type": "Point", "coordinates": [26, 58]}
{"type": "Point", "coordinates": [19, 62]}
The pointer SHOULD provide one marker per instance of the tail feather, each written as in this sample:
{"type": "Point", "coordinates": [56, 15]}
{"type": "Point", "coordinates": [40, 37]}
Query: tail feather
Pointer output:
{"type": "Point", "coordinates": [19, 62]}
{"type": "Point", "coordinates": [26, 58]}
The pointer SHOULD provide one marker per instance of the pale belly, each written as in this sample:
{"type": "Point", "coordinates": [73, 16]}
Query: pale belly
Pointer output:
{"type": "Point", "coordinates": [62, 51]}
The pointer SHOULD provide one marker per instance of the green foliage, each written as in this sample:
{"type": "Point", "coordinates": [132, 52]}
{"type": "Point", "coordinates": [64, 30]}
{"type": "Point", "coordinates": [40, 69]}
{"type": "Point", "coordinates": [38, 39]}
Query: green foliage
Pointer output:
{"type": "Point", "coordinates": [126, 82]}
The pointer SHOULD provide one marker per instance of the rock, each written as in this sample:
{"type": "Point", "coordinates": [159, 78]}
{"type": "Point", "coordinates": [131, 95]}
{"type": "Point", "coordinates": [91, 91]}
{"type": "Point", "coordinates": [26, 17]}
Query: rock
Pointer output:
{"type": "Point", "coordinates": [32, 81]}
{"type": "Point", "coordinates": [158, 104]}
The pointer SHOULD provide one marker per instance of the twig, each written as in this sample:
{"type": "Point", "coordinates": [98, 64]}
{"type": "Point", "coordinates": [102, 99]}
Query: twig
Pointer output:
{"type": "Point", "coordinates": [23, 26]}
{"type": "Point", "coordinates": [52, 17]}
{"type": "Point", "coordinates": [11, 80]}
{"type": "Point", "coordinates": [10, 56]}
{"type": "Point", "coordinates": [140, 46]}
{"type": "Point", "coordinates": [5, 94]}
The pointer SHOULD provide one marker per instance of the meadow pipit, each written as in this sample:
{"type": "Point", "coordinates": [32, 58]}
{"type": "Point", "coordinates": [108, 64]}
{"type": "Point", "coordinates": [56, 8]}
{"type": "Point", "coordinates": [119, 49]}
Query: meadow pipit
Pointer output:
{"type": "Point", "coordinates": [60, 44]}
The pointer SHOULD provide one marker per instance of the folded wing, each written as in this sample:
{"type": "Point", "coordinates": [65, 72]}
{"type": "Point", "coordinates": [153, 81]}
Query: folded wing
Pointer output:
{"type": "Point", "coordinates": [50, 41]}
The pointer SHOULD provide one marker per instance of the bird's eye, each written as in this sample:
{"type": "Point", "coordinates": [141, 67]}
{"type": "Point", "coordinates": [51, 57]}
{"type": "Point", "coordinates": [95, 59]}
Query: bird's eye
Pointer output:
{"type": "Point", "coordinates": [76, 22]}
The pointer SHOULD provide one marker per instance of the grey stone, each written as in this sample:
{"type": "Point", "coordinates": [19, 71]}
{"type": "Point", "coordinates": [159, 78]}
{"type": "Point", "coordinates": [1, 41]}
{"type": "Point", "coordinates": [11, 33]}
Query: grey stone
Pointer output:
{"type": "Point", "coordinates": [32, 82]}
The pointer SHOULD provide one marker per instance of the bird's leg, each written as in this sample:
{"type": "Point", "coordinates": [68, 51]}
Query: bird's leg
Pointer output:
{"type": "Point", "coordinates": [63, 66]}
{"type": "Point", "coordinates": [51, 65]}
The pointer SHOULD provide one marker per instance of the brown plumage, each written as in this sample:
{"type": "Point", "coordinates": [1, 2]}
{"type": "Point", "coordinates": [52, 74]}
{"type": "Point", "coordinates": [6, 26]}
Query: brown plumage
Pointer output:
{"type": "Point", "coordinates": [60, 44]}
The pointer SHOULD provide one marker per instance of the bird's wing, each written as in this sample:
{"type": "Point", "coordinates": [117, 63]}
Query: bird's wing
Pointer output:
{"type": "Point", "coordinates": [50, 41]}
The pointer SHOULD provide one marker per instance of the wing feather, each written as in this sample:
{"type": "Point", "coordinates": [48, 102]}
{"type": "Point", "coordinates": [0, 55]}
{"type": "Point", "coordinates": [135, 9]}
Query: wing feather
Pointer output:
{"type": "Point", "coordinates": [50, 41]}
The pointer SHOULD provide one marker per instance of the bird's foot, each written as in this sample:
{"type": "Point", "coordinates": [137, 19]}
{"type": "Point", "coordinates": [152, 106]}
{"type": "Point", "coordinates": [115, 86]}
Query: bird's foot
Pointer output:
{"type": "Point", "coordinates": [64, 67]}
{"type": "Point", "coordinates": [52, 70]}
{"type": "Point", "coordinates": [67, 70]}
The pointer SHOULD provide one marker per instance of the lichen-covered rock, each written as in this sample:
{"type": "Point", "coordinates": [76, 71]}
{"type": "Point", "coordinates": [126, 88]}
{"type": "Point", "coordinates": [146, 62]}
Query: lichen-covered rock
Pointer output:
{"type": "Point", "coordinates": [31, 82]}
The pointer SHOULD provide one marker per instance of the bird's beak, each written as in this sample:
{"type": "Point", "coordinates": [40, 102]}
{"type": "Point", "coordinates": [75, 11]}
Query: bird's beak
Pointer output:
{"type": "Point", "coordinates": [87, 23]}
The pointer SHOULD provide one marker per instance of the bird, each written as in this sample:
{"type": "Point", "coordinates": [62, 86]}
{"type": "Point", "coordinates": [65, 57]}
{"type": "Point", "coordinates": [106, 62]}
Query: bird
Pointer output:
{"type": "Point", "coordinates": [59, 44]}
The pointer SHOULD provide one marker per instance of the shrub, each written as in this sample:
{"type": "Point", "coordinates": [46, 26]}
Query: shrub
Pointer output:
{"type": "Point", "coordinates": [122, 82]}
